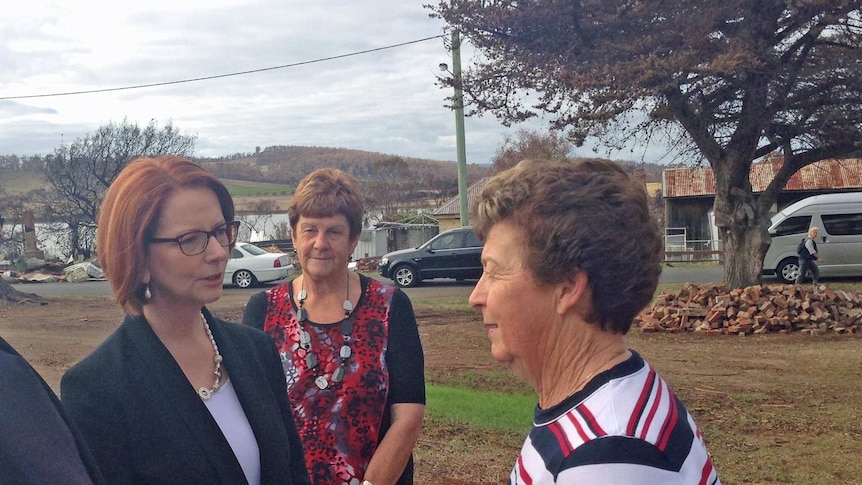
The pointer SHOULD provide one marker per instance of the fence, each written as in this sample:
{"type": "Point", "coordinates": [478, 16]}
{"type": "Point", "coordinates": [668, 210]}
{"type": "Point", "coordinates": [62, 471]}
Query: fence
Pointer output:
{"type": "Point", "coordinates": [693, 251]}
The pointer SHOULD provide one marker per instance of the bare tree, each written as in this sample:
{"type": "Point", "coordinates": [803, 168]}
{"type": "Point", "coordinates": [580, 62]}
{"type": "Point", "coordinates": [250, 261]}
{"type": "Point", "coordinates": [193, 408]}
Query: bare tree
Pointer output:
{"type": "Point", "coordinates": [732, 80]}
{"type": "Point", "coordinates": [257, 214]}
{"type": "Point", "coordinates": [440, 187]}
{"type": "Point", "coordinates": [281, 230]}
{"type": "Point", "coordinates": [80, 173]}
{"type": "Point", "coordinates": [10, 162]}
{"type": "Point", "coordinates": [530, 144]}
{"type": "Point", "coordinates": [12, 244]}
{"type": "Point", "coordinates": [11, 224]}
{"type": "Point", "coordinates": [391, 189]}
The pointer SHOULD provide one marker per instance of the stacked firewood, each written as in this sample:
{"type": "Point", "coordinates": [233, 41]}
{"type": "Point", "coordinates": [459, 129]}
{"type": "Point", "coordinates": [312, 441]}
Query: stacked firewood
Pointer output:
{"type": "Point", "coordinates": [368, 264]}
{"type": "Point", "coordinates": [712, 308]}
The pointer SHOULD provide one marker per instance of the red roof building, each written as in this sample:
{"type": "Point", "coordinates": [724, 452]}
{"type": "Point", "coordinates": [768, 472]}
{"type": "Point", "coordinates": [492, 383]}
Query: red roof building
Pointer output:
{"type": "Point", "coordinates": [825, 175]}
{"type": "Point", "coordinates": [689, 193]}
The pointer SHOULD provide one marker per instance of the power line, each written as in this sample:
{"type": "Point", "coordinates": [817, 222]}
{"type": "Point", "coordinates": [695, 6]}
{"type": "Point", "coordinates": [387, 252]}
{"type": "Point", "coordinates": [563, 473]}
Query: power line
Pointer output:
{"type": "Point", "coordinates": [218, 76]}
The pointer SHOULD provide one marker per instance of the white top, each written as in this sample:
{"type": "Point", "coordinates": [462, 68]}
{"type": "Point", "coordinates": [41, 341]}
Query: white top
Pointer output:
{"type": "Point", "coordinates": [226, 410]}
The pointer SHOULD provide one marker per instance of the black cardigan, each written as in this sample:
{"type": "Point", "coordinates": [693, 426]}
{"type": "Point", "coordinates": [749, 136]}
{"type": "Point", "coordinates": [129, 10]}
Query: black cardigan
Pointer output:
{"type": "Point", "coordinates": [146, 424]}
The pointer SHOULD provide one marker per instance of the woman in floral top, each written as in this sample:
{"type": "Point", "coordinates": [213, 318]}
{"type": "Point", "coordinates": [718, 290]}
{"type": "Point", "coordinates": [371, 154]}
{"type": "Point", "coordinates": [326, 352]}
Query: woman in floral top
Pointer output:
{"type": "Point", "coordinates": [349, 345]}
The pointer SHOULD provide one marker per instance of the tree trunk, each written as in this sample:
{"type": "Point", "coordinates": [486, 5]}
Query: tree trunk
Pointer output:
{"type": "Point", "coordinates": [743, 225]}
{"type": "Point", "coordinates": [74, 238]}
{"type": "Point", "coordinates": [744, 248]}
{"type": "Point", "coordinates": [9, 294]}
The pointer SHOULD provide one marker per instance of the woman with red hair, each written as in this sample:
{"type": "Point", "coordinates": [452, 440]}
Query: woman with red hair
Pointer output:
{"type": "Point", "coordinates": [176, 395]}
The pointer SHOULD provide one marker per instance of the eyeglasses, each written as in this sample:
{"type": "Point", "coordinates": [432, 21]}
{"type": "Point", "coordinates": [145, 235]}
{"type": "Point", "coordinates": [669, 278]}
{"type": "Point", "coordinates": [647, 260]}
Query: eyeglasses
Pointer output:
{"type": "Point", "coordinates": [196, 242]}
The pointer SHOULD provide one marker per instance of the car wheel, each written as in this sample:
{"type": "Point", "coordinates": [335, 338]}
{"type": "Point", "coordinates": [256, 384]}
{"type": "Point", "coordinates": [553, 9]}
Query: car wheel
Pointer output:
{"type": "Point", "coordinates": [405, 276]}
{"type": "Point", "coordinates": [788, 270]}
{"type": "Point", "coordinates": [244, 278]}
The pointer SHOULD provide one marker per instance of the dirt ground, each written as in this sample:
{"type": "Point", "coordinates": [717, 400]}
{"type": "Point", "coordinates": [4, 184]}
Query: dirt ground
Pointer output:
{"type": "Point", "coordinates": [773, 408]}
{"type": "Point", "coordinates": [55, 336]}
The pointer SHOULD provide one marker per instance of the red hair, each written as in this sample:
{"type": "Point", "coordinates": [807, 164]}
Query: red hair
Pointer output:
{"type": "Point", "coordinates": [129, 215]}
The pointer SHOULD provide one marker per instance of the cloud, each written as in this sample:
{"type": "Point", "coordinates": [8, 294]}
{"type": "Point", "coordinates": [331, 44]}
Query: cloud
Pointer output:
{"type": "Point", "coordinates": [383, 101]}
{"type": "Point", "coordinates": [11, 109]}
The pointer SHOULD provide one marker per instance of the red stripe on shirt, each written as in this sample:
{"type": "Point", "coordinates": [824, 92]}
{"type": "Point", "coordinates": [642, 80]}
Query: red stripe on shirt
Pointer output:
{"type": "Point", "coordinates": [639, 406]}
{"type": "Point", "coordinates": [591, 421]}
{"type": "Point", "coordinates": [669, 423]}
{"type": "Point", "coordinates": [523, 473]}
{"type": "Point", "coordinates": [562, 440]}
{"type": "Point", "coordinates": [652, 412]}
{"type": "Point", "coordinates": [707, 471]}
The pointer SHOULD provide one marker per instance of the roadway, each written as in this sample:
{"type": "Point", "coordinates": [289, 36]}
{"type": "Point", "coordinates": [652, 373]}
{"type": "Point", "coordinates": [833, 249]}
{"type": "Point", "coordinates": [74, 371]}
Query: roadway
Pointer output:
{"type": "Point", "coordinates": [431, 288]}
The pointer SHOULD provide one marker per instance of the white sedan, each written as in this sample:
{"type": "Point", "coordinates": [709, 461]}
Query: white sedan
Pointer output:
{"type": "Point", "coordinates": [249, 265]}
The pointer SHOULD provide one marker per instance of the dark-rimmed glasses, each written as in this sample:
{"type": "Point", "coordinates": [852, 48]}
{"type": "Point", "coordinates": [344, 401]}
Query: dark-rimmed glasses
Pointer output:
{"type": "Point", "coordinates": [196, 242]}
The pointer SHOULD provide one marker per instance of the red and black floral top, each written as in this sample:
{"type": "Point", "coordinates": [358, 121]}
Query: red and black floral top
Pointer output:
{"type": "Point", "coordinates": [341, 425]}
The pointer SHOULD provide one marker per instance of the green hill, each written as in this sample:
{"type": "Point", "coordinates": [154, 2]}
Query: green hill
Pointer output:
{"type": "Point", "coordinates": [241, 188]}
{"type": "Point", "coordinates": [289, 164]}
{"type": "Point", "coordinates": [21, 182]}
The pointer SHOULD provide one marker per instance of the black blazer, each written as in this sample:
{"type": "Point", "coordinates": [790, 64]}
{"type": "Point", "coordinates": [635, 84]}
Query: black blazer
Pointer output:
{"type": "Point", "coordinates": [146, 424]}
{"type": "Point", "coordinates": [38, 442]}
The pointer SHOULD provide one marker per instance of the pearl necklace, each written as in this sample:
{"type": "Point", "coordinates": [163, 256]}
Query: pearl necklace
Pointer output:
{"type": "Point", "coordinates": [203, 392]}
{"type": "Point", "coordinates": [345, 352]}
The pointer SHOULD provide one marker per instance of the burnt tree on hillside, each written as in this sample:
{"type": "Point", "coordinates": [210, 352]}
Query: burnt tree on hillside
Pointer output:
{"type": "Point", "coordinates": [80, 173]}
{"type": "Point", "coordinates": [10, 162]}
{"type": "Point", "coordinates": [732, 81]}
{"type": "Point", "coordinates": [530, 144]}
{"type": "Point", "coordinates": [440, 187]}
{"type": "Point", "coordinates": [390, 188]}
{"type": "Point", "coordinates": [237, 170]}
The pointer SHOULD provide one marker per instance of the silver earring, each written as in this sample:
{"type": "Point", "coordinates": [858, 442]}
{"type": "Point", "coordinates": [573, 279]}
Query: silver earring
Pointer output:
{"type": "Point", "coordinates": [147, 295]}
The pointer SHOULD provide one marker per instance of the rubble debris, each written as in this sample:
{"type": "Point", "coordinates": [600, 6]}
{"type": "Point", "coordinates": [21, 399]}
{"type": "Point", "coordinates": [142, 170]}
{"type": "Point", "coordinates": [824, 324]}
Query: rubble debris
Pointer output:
{"type": "Point", "coordinates": [83, 272]}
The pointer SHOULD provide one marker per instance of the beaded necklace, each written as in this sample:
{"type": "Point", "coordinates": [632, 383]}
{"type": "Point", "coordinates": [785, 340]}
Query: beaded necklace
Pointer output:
{"type": "Point", "coordinates": [311, 360]}
{"type": "Point", "coordinates": [203, 392]}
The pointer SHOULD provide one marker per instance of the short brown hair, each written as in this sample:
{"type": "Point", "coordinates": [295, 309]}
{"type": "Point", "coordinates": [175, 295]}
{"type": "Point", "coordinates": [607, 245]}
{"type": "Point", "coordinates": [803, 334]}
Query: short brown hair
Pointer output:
{"type": "Point", "coordinates": [580, 215]}
{"type": "Point", "coordinates": [325, 193]}
{"type": "Point", "coordinates": [129, 216]}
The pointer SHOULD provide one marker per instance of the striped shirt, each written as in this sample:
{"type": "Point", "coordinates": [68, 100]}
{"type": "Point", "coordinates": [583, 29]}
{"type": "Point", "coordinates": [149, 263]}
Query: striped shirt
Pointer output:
{"type": "Point", "coordinates": [625, 427]}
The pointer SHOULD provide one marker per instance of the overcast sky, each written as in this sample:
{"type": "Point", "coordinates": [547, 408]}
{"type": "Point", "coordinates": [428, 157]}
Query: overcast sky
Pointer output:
{"type": "Point", "coordinates": [383, 101]}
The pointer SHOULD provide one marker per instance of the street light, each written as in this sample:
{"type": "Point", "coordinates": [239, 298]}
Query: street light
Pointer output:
{"type": "Point", "coordinates": [459, 126]}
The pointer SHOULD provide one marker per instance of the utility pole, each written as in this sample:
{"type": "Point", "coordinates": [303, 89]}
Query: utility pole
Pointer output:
{"type": "Point", "coordinates": [459, 128]}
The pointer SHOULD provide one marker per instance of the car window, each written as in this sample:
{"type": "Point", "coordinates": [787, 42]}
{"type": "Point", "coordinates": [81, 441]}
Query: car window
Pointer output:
{"type": "Point", "coordinates": [451, 240]}
{"type": "Point", "coordinates": [235, 253]}
{"type": "Point", "coordinates": [793, 225]}
{"type": "Point", "coordinates": [471, 241]}
{"type": "Point", "coordinates": [842, 224]}
{"type": "Point", "coordinates": [252, 249]}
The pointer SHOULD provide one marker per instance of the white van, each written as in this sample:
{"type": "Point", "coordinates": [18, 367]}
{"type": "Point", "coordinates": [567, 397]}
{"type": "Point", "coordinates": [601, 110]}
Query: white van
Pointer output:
{"type": "Point", "coordinates": [839, 219]}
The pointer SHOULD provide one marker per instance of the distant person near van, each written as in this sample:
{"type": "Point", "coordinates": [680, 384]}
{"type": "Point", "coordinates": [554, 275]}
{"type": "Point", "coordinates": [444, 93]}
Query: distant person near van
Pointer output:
{"type": "Point", "coordinates": [807, 257]}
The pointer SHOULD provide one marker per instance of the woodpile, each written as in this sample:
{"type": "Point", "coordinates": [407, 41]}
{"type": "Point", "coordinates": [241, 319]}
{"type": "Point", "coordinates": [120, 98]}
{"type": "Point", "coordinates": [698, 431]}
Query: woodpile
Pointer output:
{"type": "Point", "coordinates": [714, 309]}
{"type": "Point", "coordinates": [368, 264]}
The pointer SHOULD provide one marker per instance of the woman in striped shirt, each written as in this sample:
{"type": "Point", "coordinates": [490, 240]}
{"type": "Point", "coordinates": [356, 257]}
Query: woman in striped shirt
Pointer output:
{"type": "Point", "coordinates": [571, 255]}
